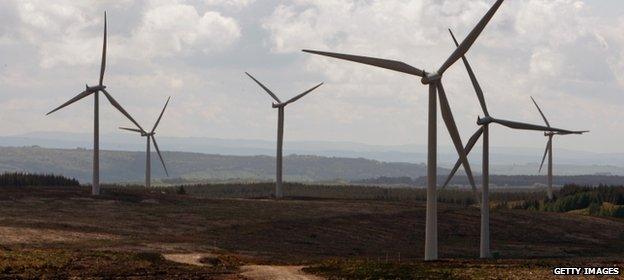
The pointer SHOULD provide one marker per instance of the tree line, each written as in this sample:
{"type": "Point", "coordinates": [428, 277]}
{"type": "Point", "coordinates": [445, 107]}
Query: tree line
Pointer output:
{"type": "Point", "coordinates": [22, 179]}
{"type": "Point", "coordinates": [602, 200]}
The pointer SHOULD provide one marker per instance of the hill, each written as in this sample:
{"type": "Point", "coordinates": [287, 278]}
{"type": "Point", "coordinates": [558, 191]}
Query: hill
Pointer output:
{"type": "Point", "coordinates": [503, 160]}
{"type": "Point", "coordinates": [125, 166]}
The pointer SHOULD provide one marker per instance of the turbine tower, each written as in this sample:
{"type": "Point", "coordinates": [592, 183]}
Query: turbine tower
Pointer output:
{"type": "Point", "coordinates": [279, 191]}
{"type": "Point", "coordinates": [150, 136]}
{"type": "Point", "coordinates": [95, 90]}
{"type": "Point", "coordinates": [484, 123]}
{"type": "Point", "coordinates": [434, 81]}
{"type": "Point", "coordinates": [549, 150]}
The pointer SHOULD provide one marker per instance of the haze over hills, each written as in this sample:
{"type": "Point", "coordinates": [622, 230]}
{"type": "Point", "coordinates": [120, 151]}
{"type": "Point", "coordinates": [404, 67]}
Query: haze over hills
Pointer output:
{"type": "Point", "coordinates": [504, 160]}
{"type": "Point", "coordinates": [128, 166]}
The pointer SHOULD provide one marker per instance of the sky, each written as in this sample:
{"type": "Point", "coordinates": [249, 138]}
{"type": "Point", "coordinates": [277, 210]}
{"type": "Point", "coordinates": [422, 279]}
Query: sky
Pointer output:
{"type": "Point", "coordinates": [567, 54]}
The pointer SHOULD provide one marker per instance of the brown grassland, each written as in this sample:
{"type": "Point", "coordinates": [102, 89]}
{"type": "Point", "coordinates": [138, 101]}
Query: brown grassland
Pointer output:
{"type": "Point", "coordinates": [63, 232]}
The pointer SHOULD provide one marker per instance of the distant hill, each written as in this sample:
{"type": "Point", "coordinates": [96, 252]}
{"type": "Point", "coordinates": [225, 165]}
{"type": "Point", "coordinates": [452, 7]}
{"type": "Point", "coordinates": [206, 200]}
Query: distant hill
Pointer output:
{"type": "Point", "coordinates": [503, 160]}
{"type": "Point", "coordinates": [500, 180]}
{"type": "Point", "coordinates": [125, 166]}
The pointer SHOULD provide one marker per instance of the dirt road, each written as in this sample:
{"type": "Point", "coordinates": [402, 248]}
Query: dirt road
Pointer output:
{"type": "Point", "coordinates": [274, 272]}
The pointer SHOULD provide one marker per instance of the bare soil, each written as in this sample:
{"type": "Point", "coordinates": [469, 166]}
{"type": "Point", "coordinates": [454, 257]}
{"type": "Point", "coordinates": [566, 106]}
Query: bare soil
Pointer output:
{"type": "Point", "coordinates": [276, 272]}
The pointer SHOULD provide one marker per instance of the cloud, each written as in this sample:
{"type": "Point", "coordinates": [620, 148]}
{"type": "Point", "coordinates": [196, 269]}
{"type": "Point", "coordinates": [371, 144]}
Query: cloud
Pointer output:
{"type": "Point", "coordinates": [229, 4]}
{"type": "Point", "coordinates": [65, 31]}
{"type": "Point", "coordinates": [554, 50]}
{"type": "Point", "coordinates": [563, 52]}
{"type": "Point", "coordinates": [169, 29]}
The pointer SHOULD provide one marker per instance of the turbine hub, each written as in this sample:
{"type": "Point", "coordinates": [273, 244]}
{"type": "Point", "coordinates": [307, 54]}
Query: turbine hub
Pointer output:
{"type": "Point", "coordinates": [549, 133]}
{"type": "Point", "coordinates": [95, 88]}
{"type": "Point", "coordinates": [485, 120]}
{"type": "Point", "coordinates": [430, 78]}
{"type": "Point", "coordinates": [277, 105]}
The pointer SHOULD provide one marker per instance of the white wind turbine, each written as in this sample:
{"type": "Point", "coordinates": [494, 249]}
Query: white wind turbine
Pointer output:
{"type": "Point", "coordinates": [95, 187]}
{"type": "Point", "coordinates": [434, 80]}
{"type": "Point", "coordinates": [279, 191]}
{"type": "Point", "coordinates": [549, 149]}
{"type": "Point", "coordinates": [484, 123]}
{"type": "Point", "coordinates": [150, 136]}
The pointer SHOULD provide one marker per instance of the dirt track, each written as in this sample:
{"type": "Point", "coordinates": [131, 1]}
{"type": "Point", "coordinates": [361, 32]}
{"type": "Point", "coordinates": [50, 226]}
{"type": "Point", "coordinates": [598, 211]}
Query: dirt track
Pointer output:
{"type": "Point", "coordinates": [253, 272]}
{"type": "Point", "coordinates": [275, 272]}
{"type": "Point", "coordinates": [192, 258]}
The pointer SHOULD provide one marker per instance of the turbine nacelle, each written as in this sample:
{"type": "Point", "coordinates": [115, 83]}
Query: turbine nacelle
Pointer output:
{"type": "Point", "coordinates": [430, 78]}
{"type": "Point", "coordinates": [278, 105]}
{"type": "Point", "coordinates": [95, 88]}
{"type": "Point", "coordinates": [485, 120]}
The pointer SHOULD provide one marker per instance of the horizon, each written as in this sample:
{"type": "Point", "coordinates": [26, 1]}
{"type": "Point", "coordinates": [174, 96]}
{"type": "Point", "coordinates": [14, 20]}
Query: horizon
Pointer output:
{"type": "Point", "coordinates": [445, 148]}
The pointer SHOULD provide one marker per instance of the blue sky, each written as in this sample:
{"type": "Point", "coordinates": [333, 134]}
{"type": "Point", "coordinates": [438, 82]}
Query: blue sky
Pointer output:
{"type": "Point", "coordinates": [568, 54]}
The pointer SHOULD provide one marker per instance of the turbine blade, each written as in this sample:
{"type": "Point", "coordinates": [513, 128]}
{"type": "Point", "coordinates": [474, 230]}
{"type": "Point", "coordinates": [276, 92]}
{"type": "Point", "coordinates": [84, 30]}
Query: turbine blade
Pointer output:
{"type": "Point", "coordinates": [383, 63]}
{"type": "Point", "coordinates": [131, 129]}
{"type": "Point", "coordinates": [573, 132]}
{"type": "Point", "coordinates": [447, 115]}
{"type": "Point", "coordinates": [120, 109]}
{"type": "Point", "coordinates": [526, 126]}
{"type": "Point", "coordinates": [473, 140]}
{"type": "Point", "coordinates": [545, 153]}
{"type": "Point", "coordinates": [540, 111]}
{"type": "Point", "coordinates": [470, 39]}
{"type": "Point", "coordinates": [103, 67]}
{"type": "Point", "coordinates": [473, 79]}
{"type": "Point", "coordinates": [302, 94]}
{"type": "Point", "coordinates": [265, 88]}
{"type": "Point", "coordinates": [159, 155]}
{"type": "Point", "coordinates": [161, 114]}
{"type": "Point", "coordinates": [74, 99]}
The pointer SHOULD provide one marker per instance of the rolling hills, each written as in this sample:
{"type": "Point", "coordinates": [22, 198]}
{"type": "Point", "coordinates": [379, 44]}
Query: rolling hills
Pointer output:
{"type": "Point", "coordinates": [126, 166]}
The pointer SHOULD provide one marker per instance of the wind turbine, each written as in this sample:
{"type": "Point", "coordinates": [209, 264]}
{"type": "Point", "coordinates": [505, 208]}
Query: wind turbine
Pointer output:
{"type": "Point", "coordinates": [280, 131]}
{"type": "Point", "coordinates": [484, 123]}
{"type": "Point", "coordinates": [549, 149]}
{"type": "Point", "coordinates": [434, 80]}
{"type": "Point", "coordinates": [148, 152]}
{"type": "Point", "coordinates": [95, 188]}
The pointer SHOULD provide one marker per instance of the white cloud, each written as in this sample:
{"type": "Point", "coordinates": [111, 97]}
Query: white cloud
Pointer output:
{"type": "Point", "coordinates": [197, 50]}
{"type": "Point", "coordinates": [550, 49]}
{"type": "Point", "coordinates": [236, 4]}
{"type": "Point", "coordinates": [66, 31]}
{"type": "Point", "coordinates": [169, 29]}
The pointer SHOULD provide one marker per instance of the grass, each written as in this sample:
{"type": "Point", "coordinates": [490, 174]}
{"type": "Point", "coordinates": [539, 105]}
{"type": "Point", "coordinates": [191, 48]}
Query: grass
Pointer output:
{"type": "Point", "coordinates": [64, 263]}
{"type": "Point", "coordinates": [63, 231]}
{"type": "Point", "coordinates": [451, 269]}
{"type": "Point", "coordinates": [344, 269]}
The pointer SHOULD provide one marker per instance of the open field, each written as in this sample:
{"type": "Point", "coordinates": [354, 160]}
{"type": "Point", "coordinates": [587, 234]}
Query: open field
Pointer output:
{"type": "Point", "coordinates": [63, 232]}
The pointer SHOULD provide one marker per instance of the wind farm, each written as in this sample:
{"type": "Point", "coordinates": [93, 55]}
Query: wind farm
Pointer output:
{"type": "Point", "coordinates": [434, 81]}
{"type": "Point", "coordinates": [95, 90]}
{"type": "Point", "coordinates": [279, 191]}
{"type": "Point", "coordinates": [549, 149]}
{"type": "Point", "coordinates": [364, 187]}
{"type": "Point", "coordinates": [484, 251]}
{"type": "Point", "coordinates": [150, 138]}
